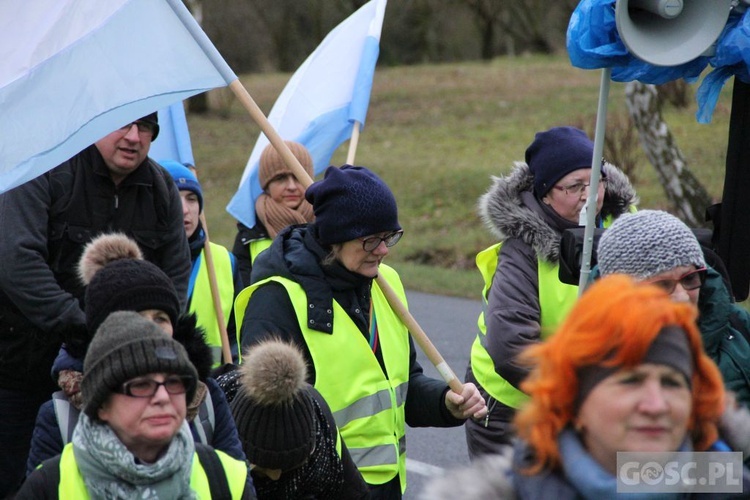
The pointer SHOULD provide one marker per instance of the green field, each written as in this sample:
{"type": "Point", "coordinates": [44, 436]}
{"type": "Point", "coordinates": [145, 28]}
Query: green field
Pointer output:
{"type": "Point", "coordinates": [436, 133]}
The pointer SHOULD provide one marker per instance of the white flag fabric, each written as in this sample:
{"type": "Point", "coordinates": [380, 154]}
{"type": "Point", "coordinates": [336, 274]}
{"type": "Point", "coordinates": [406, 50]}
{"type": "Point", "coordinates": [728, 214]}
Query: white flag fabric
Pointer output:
{"type": "Point", "coordinates": [173, 142]}
{"type": "Point", "coordinates": [322, 100]}
{"type": "Point", "coordinates": [72, 71]}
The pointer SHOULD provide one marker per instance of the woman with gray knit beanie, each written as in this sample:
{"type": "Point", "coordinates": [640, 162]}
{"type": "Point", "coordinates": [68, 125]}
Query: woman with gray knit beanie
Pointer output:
{"type": "Point", "coordinates": [117, 278]}
{"type": "Point", "coordinates": [132, 440]}
{"type": "Point", "coordinates": [287, 430]}
{"type": "Point", "coordinates": [281, 204]}
{"type": "Point", "coordinates": [656, 247]}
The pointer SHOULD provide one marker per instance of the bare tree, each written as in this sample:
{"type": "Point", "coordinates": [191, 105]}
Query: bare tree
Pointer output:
{"type": "Point", "coordinates": [488, 16]}
{"type": "Point", "coordinates": [686, 194]}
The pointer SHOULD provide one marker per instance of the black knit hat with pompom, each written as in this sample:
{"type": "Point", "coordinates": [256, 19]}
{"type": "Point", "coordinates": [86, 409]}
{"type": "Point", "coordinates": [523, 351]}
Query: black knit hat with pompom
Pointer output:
{"type": "Point", "coordinates": [273, 409]}
{"type": "Point", "coordinates": [118, 279]}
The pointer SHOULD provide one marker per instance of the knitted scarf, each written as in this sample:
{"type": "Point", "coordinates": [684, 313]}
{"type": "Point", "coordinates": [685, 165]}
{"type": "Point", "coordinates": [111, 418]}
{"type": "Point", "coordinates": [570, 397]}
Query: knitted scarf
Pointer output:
{"type": "Point", "coordinates": [111, 471]}
{"type": "Point", "coordinates": [276, 216]}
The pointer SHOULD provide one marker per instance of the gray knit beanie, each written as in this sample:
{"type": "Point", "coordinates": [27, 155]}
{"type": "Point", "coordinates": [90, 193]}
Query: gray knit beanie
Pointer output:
{"type": "Point", "coordinates": [126, 346]}
{"type": "Point", "coordinates": [647, 243]}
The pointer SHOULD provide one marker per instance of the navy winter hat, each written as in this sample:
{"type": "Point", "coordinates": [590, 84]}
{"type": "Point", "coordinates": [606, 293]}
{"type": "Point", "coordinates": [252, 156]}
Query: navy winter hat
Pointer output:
{"type": "Point", "coordinates": [351, 202]}
{"type": "Point", "coordinates": [153, 119]}
{"type": "Point", "coordinates": [184, 178]}
{"type": "Point", "coordinates": [555, 153]}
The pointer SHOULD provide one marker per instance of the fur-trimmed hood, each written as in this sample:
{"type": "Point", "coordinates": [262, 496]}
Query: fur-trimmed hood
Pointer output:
{"type": "Point", "coordinates": [510, 210]}
{"type": "Point", "coordinates": [193, 339]}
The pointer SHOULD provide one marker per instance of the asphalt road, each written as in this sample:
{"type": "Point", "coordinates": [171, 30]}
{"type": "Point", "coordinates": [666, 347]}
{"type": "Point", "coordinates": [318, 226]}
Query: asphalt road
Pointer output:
{"type": "Point", "coordinates": [450, 323]}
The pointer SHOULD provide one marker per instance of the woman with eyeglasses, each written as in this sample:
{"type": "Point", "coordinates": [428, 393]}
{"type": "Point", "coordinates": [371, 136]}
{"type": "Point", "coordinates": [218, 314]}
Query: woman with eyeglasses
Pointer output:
{"type": "Point", "coordinates": [132, 440]}
{"type": "Point", "coordinates": [657, 247]}
{"type": "Point", "coordinates": [621, 399]}
{"type": "Point", "coordinates": [118, 279]}
{"type": "Point", "coordinates": [528, 210]}
{"type": "Point", "coordinates": [315, 287]}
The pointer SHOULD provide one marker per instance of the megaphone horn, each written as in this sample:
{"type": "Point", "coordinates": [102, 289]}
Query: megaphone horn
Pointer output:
{"type": "Point", "coordinates": [670, 32]}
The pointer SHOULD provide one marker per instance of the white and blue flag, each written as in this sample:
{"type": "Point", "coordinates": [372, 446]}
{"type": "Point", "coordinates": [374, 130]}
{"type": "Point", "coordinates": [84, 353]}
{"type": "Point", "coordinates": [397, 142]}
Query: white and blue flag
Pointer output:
{"type": "Point", "coordinates": [72, 71]}
{"type": "Point", "coordinates": [327, 94]}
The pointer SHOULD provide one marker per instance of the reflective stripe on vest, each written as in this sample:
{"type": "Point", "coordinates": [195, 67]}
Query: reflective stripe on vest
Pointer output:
{"type": "Point", "coordinates": [257, 246]}
{"type": "Point", "coordinates": [66, 414]}
{"type": "Point", "coordinates": [201, 301]}
{"type": "Point", "coordinates": [555, 301]}
{"type": "Point", "coordinates": [72, 484]}
{"type": "Point", "coordinates": [367, 406]}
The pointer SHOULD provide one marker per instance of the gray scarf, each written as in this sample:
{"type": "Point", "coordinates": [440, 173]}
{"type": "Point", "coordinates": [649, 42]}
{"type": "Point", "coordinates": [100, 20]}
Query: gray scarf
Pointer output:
{"type": "Point", "coordinates": [110, 471]}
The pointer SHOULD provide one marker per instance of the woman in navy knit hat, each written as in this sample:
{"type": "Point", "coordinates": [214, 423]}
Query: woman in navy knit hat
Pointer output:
{"type": "Point", "coordinates": [315, 287]}
{"type": "Point", "coordinates": [528, 210]}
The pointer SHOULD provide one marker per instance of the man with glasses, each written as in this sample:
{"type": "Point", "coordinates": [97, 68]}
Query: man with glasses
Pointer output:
{"type": "Point", "coordinates": [656, 247]}
{"type": "Point", "coordinates": [110, 186]}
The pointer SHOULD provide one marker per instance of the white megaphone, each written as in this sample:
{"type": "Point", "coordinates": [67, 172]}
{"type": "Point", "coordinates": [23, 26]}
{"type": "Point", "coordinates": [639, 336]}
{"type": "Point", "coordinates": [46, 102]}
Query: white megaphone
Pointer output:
{"type": "Point", "coordinates": [670, 32]}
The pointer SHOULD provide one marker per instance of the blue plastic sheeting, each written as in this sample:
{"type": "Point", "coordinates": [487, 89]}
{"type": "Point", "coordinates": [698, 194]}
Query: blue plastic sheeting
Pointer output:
{"type": "Point", "coordinates": [593, 42]}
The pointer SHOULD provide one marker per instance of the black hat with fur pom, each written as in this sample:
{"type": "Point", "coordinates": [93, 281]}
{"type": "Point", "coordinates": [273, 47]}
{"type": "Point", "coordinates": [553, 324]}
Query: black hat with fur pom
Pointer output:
{"type": "Point", "coordinates": [273, 409]}
{"type": "Point", "coordinates": [118, 279]}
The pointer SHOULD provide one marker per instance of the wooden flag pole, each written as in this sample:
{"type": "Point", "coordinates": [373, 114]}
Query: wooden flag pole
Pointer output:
{"type": "Point", "coordinates": [226, 352]}
{"type": "Point", "coordinates": [353, 142]}
{"type": "Point", "coordinates": [291, 161]}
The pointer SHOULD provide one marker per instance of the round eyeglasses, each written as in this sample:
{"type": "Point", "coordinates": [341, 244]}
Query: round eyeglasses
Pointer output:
{"type": "Point", "coordinates": [371, 243]}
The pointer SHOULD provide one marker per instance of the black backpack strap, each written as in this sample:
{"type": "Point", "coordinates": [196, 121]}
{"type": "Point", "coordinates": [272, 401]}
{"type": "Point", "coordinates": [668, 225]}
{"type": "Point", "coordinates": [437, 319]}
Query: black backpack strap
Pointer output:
{"type": "Point", "coordinates": [217, 478]}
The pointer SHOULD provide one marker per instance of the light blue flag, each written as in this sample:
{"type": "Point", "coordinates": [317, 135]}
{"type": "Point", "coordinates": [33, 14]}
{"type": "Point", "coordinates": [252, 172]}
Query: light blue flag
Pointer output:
{"type": "Point", "coordinates": [321, 102]}
{"type": "Point", "coordinates": [173, 142]}
{"type": "Point", "coordinates": [72, 71]}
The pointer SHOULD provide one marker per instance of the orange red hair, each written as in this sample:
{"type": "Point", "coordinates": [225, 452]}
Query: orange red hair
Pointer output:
{"type": "Point", "coordinates": [612, 324]}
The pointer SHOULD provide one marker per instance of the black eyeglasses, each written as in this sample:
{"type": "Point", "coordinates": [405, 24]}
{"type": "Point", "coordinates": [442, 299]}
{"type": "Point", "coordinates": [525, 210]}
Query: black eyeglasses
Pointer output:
{"type": "Point", "coordinates": [373, 242]}
{"type": "Point", "coordinates": [689, 281]}
{"type": "Point", "coordinates": [144, 128]}
{"type": "Point", "coordinates": [147, 387]}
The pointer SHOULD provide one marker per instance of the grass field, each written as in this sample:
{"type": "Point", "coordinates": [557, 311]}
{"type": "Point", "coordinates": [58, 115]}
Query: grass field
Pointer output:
{"type": "Point", "coordinates": [436, 134]}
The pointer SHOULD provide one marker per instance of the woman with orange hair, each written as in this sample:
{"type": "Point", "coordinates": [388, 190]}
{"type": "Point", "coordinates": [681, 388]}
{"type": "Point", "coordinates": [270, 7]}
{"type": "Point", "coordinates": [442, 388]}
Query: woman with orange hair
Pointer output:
{"type": "Point", "coordinates": [625, 372]}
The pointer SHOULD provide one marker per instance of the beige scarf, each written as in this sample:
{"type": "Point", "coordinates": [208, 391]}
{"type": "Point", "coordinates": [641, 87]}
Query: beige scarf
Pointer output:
{"type": "Point", "coordinates": [276, 216]}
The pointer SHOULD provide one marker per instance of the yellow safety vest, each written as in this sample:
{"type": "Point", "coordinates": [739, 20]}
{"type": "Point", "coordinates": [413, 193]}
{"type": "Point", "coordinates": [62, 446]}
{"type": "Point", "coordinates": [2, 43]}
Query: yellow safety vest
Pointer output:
{"type": "Point", "coordinates": [367, 406]}
{"type": "Point", "coordinates": [202, 304]}
{"type": "Point", "coordinates": [72, 484]}
{"type": "Point", "coordinates": [555, 301]}
{"type": "Point", "coordinates": [257, 246]}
